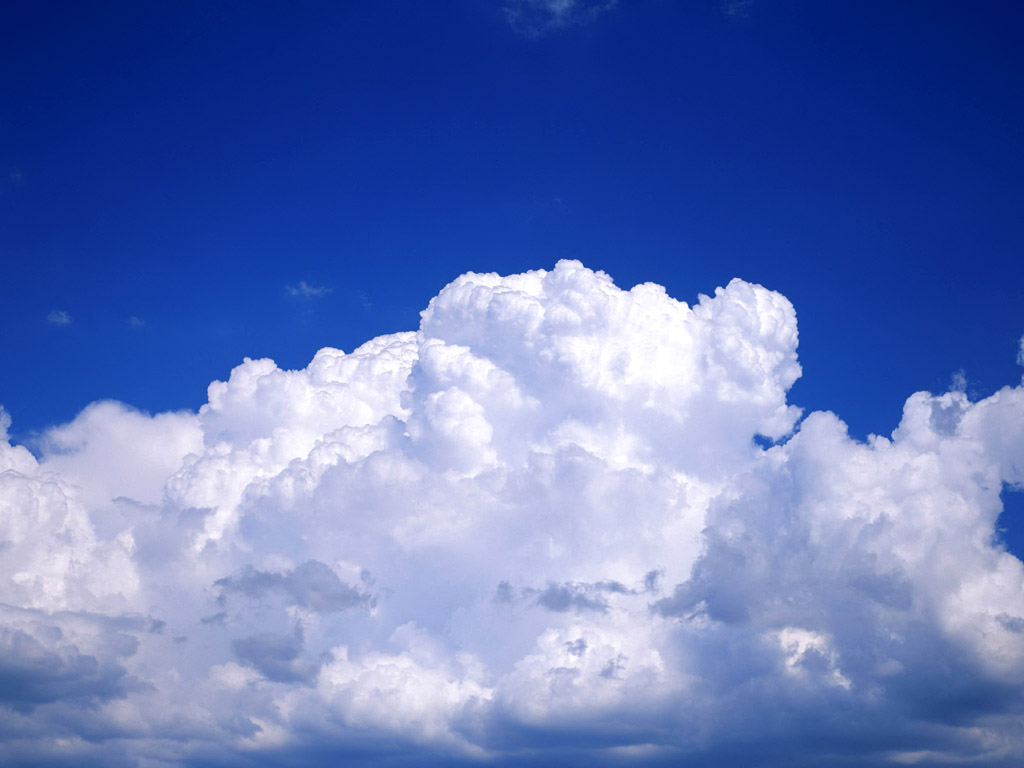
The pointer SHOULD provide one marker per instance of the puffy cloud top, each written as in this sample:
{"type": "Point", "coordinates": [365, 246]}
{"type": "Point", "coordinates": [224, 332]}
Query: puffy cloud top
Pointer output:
{"type": "Point", "coordinates": [539, 528]}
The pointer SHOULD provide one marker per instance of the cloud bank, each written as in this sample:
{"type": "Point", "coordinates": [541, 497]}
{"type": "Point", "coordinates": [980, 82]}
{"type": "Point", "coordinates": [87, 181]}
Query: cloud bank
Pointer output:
{"type": "Point", "coordinates": [538, 529]}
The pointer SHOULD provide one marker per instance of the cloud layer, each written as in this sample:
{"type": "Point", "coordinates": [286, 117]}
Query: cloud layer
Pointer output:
{"type": "Point", "coordinates": [538, 528]}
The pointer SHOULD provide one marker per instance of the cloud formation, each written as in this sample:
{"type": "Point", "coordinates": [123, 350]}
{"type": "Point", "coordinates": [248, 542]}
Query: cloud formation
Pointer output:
{"type": "Point", "coordinates": [539, 528]}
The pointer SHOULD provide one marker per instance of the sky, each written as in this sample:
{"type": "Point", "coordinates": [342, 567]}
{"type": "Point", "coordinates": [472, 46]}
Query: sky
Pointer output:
{"type": "Point", "coordinates": [512, 382]}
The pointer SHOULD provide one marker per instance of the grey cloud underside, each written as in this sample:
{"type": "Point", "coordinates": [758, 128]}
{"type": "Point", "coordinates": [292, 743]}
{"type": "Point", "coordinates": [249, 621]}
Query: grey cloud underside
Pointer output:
{"type": "Point", "coordinates": [278, 658]}
{"type": "Point", "coordinates": [34, 671]}
{"type": "Point", "coordinates": [564, 597]}
{"type": "Point", "coordinates": [560, 523]}
{"type": "Point", "coordinates": [311, 585]}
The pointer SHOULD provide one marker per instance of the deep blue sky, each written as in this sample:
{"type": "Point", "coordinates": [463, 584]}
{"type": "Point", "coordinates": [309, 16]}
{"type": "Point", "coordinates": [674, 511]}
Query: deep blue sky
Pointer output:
{"type": "Point", "coordinates": [185, 163]}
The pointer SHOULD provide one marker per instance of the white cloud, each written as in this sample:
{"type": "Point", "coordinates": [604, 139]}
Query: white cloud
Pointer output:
{"type": "Point", "coordinates": [58, 317]}
{"type": "Point", "coordinates": [535, 18]}
{"type": "Point", "coordinates": [111, 451]}
{"type": "Point", "coordinates": [308, 291]}
{"type": "Point", "coordinates": [539, 523]}
{"type": "Point", "coordinates": [737, 9]}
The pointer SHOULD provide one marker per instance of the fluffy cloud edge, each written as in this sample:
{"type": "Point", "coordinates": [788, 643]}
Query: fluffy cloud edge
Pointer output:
{"type": "Point", "coordinates": [540, 525]}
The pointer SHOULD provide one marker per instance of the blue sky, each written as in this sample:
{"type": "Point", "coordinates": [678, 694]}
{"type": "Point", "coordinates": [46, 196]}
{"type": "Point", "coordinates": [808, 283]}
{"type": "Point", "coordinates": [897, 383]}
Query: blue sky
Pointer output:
{"type": "Point", "coordinates": [185, 164]}
{"type": "Point", "coordinates": [535, 513]}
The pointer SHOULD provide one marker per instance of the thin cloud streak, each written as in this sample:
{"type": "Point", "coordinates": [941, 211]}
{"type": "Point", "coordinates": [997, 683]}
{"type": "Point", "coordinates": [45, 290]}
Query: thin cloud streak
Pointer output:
{"type": "Point", "coordinates": [308, 290]}
{"type": "Point", "coordinates": [58, 317]}
{"type": "Point", "coordinates": [536, 18]}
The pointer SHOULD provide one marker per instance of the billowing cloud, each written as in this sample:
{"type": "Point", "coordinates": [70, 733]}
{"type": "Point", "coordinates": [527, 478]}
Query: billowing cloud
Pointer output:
{"type": "Point", "coordinates": [543, 527]}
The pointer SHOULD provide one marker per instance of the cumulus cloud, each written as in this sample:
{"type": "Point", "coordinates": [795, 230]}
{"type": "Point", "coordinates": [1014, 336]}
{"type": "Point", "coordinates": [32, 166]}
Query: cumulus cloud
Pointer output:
{"type": "Point", "coordinates": [561, 520]}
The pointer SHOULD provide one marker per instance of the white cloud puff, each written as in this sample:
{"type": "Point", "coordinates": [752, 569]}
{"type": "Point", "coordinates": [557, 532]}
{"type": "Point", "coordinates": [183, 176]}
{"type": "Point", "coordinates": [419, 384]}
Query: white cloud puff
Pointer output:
{"type": "Point", "coordinates": [58, 317]}
{"type": "Point", "coordinates": [538, 529]}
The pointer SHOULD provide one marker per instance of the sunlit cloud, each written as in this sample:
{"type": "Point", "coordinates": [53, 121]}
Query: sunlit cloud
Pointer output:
{"type": "Point", "coordinates": [548, 511]}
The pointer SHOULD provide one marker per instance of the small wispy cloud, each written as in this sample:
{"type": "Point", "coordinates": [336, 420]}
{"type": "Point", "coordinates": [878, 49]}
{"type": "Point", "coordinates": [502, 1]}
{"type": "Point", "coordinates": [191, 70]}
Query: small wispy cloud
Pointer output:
{"type": "Point", "coordinates": [737, 9]}
{"type": "Point", "coordinates": [15, 177]}
{"type": "Point", "coordinates": [136, 322]}
{"type": "Point", "coordinates": [308, 291]}
{"type": "Point", "coordinates": [535, 18]}
{"type": "Point", "coordinates": [58, 317]}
